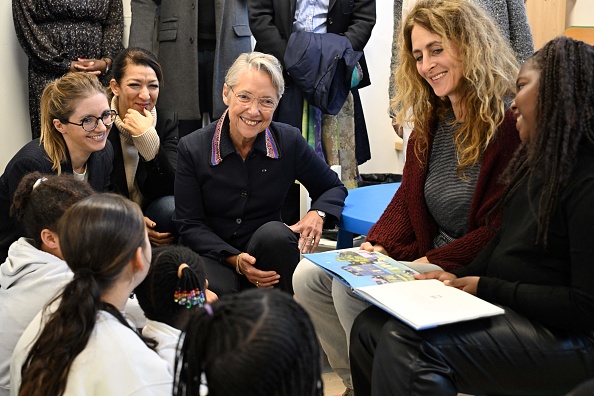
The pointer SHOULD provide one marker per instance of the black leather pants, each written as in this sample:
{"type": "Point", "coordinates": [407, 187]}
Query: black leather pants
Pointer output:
{"type": "Point", "coordinates": [502, 355]}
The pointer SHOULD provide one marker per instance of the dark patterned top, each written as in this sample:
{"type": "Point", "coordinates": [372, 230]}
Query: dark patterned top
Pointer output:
{"type": "Point", "coordinates": [54, 32]}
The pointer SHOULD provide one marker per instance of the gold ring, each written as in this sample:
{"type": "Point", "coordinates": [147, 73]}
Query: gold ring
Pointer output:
{"type": "Point", "coordinates": [257, 283]}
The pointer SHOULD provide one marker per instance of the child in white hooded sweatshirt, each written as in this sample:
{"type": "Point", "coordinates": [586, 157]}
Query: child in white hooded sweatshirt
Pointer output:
{"type": "Point", "coordinates": [34, 271]}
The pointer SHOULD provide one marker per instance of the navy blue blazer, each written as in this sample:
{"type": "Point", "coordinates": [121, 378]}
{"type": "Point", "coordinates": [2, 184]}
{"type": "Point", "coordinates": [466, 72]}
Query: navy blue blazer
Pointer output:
{"type": "Point", "coordinates": [221, 200]}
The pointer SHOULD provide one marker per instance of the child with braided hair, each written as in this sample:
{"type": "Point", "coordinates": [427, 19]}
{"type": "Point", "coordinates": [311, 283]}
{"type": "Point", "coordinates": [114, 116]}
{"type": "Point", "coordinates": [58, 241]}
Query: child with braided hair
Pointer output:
{"type": "Point", "coordinates": [259, 342]}
{"type": "Point", "coordinates": [175, 285]}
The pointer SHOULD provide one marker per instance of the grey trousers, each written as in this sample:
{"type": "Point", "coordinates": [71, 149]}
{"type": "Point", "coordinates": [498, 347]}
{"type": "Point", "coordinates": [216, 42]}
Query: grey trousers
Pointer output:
{"type": "Point", "coordinates": [333, 308]}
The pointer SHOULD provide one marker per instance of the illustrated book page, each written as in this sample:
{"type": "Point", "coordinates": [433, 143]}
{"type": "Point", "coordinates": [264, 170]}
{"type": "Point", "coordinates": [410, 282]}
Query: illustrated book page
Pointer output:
{"type": "Point", "coordinates": [390, 285]}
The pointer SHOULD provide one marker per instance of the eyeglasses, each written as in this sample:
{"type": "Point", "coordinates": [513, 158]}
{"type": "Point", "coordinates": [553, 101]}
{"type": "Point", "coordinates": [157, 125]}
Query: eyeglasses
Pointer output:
{"type": "Point", "coordinates": [89, 123]}
{"type": "Point", "coordinates": [248, 98]}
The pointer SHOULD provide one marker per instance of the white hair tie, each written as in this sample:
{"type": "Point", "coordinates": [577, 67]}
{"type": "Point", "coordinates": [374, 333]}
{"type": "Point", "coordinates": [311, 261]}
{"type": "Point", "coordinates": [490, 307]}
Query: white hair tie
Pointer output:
{"type": "Point", "coordinates": [38, 182]}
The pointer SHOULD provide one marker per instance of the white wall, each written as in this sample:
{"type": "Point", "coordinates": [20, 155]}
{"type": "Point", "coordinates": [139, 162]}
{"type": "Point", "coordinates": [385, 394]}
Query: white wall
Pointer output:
{"type": "Point", "coordinates": [384, 158]}
{"type": "Point", "coordinates": [579, 13]}
{"type": "Point", "coordinates": [15, 130]}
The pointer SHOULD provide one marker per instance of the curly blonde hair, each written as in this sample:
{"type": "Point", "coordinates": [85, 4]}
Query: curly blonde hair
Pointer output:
{"type": "Point", "coordinates": [489, 75]}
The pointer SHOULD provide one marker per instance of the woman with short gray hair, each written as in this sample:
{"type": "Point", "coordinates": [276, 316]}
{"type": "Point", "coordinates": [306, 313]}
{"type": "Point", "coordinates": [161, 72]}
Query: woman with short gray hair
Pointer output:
{"type": "Point", "coordinates": [233, 176]}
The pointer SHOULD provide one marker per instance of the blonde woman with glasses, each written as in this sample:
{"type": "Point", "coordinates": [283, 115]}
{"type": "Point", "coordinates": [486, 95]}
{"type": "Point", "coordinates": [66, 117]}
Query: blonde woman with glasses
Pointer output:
{"type": "Point", "coordinates": [75, 122]}
{"type": "Point", "coordinates": [232, 178]}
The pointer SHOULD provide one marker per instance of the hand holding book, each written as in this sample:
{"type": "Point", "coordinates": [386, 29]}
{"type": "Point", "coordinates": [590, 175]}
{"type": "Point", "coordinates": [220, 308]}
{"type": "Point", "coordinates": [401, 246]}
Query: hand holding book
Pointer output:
{"type": "Point", "coordinates": [421, 300]}
{"type": "Point", "coordinates": [469, 284]}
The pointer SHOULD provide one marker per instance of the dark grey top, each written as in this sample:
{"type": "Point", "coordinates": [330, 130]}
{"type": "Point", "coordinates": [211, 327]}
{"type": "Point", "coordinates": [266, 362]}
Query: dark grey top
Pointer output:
{"type": "Point", "coordinates": [448, 196]}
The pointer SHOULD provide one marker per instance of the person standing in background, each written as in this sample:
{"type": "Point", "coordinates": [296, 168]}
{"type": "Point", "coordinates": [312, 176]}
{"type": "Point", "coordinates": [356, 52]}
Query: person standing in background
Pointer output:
{"type": "Point", "coordinates": [195, 42]}
{"type": "Point", "coordinates": [66, 36]}
{"type": "Point", "coordinates": [340, 139]}
{"type": "Point", "coordinates": [509, 16]}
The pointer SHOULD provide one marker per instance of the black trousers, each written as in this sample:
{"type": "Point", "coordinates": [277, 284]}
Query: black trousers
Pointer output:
{"type": "Point", "coordinates": [275, 248]}
{"type": "Point", "coordinates": [503, 355]}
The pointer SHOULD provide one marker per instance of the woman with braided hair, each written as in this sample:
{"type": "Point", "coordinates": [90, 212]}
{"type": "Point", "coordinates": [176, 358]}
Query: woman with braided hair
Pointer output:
{"type": "Point", "coordinates": [175, 286]}
{"type": "Point", "coordinates": [538, 267]}
{"type": "Point", "coordinates": [258, 342]}
{"type": "Point", "coordinates": [81, 344]}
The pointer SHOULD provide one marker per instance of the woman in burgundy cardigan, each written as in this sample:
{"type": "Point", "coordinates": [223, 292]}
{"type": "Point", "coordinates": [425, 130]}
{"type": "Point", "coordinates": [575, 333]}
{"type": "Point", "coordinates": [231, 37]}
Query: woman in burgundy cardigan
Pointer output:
{"type": "Point", "coordinates": [458, 80]}
{"type": "Point", "coordinates": [406, 229]}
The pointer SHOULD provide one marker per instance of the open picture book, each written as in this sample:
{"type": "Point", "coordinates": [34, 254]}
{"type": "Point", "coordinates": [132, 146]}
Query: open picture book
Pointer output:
{"type": "Point", "coordinates": [390, 285]}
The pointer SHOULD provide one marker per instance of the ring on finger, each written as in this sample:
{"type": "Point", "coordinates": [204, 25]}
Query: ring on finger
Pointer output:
{"type": "Point", "coordinates": [257, 283]}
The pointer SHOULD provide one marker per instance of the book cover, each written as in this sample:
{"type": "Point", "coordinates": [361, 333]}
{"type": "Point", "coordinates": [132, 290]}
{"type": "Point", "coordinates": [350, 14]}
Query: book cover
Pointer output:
{"type": "Point", "coordinates": [357, 268]}
{"type": "Point", "coordinates": [390, 285]}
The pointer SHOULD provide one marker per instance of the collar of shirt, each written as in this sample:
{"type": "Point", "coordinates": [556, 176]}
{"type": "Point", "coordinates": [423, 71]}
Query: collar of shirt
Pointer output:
{"type": "Point", "coordinates": [311, 16]}
{"type": "Point", "coordinates": [222, 145]}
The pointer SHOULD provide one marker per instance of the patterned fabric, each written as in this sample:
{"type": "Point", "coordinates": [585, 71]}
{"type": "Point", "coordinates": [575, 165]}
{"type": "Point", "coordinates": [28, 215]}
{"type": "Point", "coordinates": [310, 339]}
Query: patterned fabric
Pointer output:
{"type": "Point", "coordinates": [448, 194]}
{"type": "Point", "coordinates": [217, 154]}
{"type": "Point", "coordinates": [333, 137]}
{"type": "Point", "coordinates": [54, 33]}
{"type": "Point", "coordinates": [338, 137]}
{"type": "Point", "coordinates": [312, 128]}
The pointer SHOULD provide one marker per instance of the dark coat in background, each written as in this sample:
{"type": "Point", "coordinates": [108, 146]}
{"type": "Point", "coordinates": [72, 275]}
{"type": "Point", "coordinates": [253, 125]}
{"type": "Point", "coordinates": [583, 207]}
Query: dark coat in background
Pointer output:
{"type": "Point", "coordinates": [271, 23]}
{"type": "Point", "coordinates": [321, 65]}
{"type": "Point", "coordinates": [176, 46]}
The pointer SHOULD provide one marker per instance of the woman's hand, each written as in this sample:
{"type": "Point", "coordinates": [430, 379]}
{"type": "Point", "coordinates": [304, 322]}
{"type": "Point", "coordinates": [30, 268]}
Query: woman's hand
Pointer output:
{"type": "Point", "coordinates": [368, 247]}
{"type": "Point", "coordinates": [92, 66]}
{"type": "Point", "coordinates": [439, 275]}
{"type": "Point", "coordinates": [469, 284]}
{"type": "Point", "coordinates": [135, 123]}
{"type": "Point", "coordinates": [309, 229]}
{"type": "Point", "coordinates": [246, 262]}
{"type": "Point", "coordinates": [157, 238]}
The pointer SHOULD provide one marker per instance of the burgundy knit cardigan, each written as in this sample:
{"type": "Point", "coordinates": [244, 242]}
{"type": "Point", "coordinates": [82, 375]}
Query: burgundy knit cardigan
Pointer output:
{"type": "Point", "coordinates": [406, 229]}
